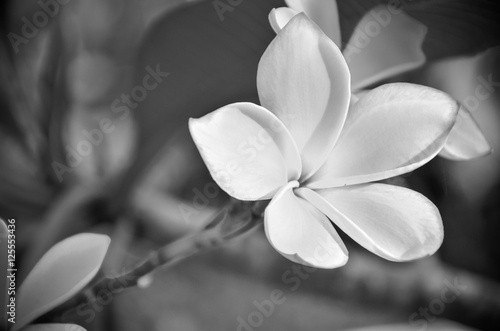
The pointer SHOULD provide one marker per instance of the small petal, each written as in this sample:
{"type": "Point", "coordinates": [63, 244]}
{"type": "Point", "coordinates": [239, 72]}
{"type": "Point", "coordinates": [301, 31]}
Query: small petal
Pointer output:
{"type": "Point", "coordinates": [53, 327]}
{"type": "Point", "coordinates": [384, 44]}
{"type": "Point", "coordinates": [279, 17]}
{"type": "Point", "coordinates": [62, 272]}
{"type": "Point", "coordinates": [302, 233]}
{"type": "Point", "coordinates": [392, 130]}
{"type": "Point", "coordinates": [393, 222]}
{"type": "Point", "coordinates": [466, 141]}
{"type": "Point", "coordinates": [247, 149]}
{"type": "Point", "coordinates": [304, 80]}
{"type": "Point", "coordinates": [324, 13]}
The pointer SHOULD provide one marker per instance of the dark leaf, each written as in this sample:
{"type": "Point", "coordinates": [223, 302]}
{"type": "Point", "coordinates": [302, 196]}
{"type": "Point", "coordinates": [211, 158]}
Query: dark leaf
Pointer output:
{"type": "Point", "coordinates": [55, 101]}
{"type": "Point", "coordinates": [8, 121]}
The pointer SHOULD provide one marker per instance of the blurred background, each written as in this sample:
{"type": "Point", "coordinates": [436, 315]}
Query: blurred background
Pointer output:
{"type": "Point", "coordinates": [94, 101]}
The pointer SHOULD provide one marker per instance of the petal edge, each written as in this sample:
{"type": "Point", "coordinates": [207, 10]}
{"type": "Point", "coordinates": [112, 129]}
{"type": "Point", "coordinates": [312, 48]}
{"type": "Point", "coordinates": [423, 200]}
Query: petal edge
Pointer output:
{"type": "Point", "coordinates": [392, 130]}
{"type": "Point", "coordinates": [392, 222]}
{"type": "Point", "coordinates": [301, 233]}
{"type": "Point", "coordinates": [247, 149]}
{"type": "Point", "coordinates": [466, 140]}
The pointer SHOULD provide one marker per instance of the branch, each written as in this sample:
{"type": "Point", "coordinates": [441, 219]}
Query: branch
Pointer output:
{"type": "Point", "coordinates": [230, 222]}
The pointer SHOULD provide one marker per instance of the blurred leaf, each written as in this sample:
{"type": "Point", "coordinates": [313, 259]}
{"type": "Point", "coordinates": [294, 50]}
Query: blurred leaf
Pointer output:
{"type": "Point", "coordinates": [54, 97]}
{"type": "Point", "coordinates": [8, 121]}
{"type": "Point", "coordinates": [63, 271]}
{"type": "Point", "coordinates": [23, 192]}
{"type": "Point", "coordinates": [456, 27]}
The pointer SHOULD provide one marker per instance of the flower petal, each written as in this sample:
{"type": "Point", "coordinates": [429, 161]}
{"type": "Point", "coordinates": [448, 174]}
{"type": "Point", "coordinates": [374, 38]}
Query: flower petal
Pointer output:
{"type": "Point", "coordinates": [393, 222]}
{"type": "Point", "coordinates": [324, 13]}
{"type": "Point", "coordinates": [302, 233]}
{"type": "Point", "coordinates": [53, 327]}
{"type": "Point", "coordinates": [466, 140]}
{"type": "Point", "coordinates": [61, 273]}
{"type": "Point", "coordinates": [279, 17]}
{"type": "Point", "coordinates": [392, 130]}
{"type": "Point", "coordinates": [303, 79]}
{"type": "Point", "coordinates": [385, 42]}
{"type": "Point", "coordinates": [247, 149]}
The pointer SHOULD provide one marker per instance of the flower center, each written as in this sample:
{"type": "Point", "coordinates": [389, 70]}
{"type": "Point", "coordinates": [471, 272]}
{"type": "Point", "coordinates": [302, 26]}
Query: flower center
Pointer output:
{"type": "Point", "coordinates": [292, 184]}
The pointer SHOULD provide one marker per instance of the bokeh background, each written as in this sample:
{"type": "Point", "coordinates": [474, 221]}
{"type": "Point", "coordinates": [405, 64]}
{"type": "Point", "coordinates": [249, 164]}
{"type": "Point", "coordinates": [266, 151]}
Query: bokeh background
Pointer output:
{"type": "Point", "coordinates": [143, 181]}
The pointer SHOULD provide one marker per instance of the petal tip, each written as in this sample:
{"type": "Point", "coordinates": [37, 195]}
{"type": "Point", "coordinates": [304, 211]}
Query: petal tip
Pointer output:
{"type": "Point", "coordinates": [273, 21]}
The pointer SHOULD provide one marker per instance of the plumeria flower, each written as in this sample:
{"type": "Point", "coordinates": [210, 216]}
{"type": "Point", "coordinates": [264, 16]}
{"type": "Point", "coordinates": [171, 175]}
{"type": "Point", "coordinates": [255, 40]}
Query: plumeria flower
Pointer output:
{"type": "Point", "coordinates": [316, 160]}
{"type": "Point", "coordinates": [386, 42]}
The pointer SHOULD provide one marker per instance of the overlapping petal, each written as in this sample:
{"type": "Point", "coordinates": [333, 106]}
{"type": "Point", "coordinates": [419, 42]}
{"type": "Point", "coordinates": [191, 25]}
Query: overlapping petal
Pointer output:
{"type": "Point", "coordinates": [247, 149]}
{"type": "Point", "coordinates": [279, 17]}
{"type": "Point", "coordinates": [324, 13]}
{"type": "Point", "coordinates": [393, 222]}
{"type": "Point", "coordinates": [385, 42]}
{"type": "Point", "coordinates": [304, 79]}
{"type": "Point", "coordinates": [466, 141]}
{"type": "Point", "coordinates": [302, 233]}
{"type": "Point", "coordinates": [392, 130]}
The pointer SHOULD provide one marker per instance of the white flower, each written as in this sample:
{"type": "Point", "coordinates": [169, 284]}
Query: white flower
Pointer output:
{"type": "Point", "coordinates": [314, 159]}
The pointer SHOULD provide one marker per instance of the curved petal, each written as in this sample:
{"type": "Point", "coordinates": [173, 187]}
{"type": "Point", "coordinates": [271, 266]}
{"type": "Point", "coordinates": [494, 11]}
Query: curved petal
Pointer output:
{"type": "Point", "coordinates": [393, 222]}
{"type": "Point", "coordinates": [61, 273]}
{"type": "Point", "coordinates": [53, 327]}
{"type": "Point", "coordinates": [247, 149]}
{"type": "Point", "coordinates": [392, 130]}
{"type": "Point", "coordinates": [301, 233]}
{"type": "Point", "coordinates": [324, 13]}
{"type": "Point", "coordinates": [303, 79]}
{"type": "Point", "coordinates": [385, 42]}
{"type": "Point", "coordinates": [466, 140]}
{"type": "Point", "coordinates": [279, 17]}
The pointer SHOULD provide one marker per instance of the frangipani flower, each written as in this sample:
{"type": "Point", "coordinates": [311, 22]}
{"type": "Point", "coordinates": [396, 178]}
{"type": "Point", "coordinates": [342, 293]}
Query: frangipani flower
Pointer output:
{"type": "Point", "coordinates": [386, 42]}
{"type": "Point", "coordinates": [315, 159]}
